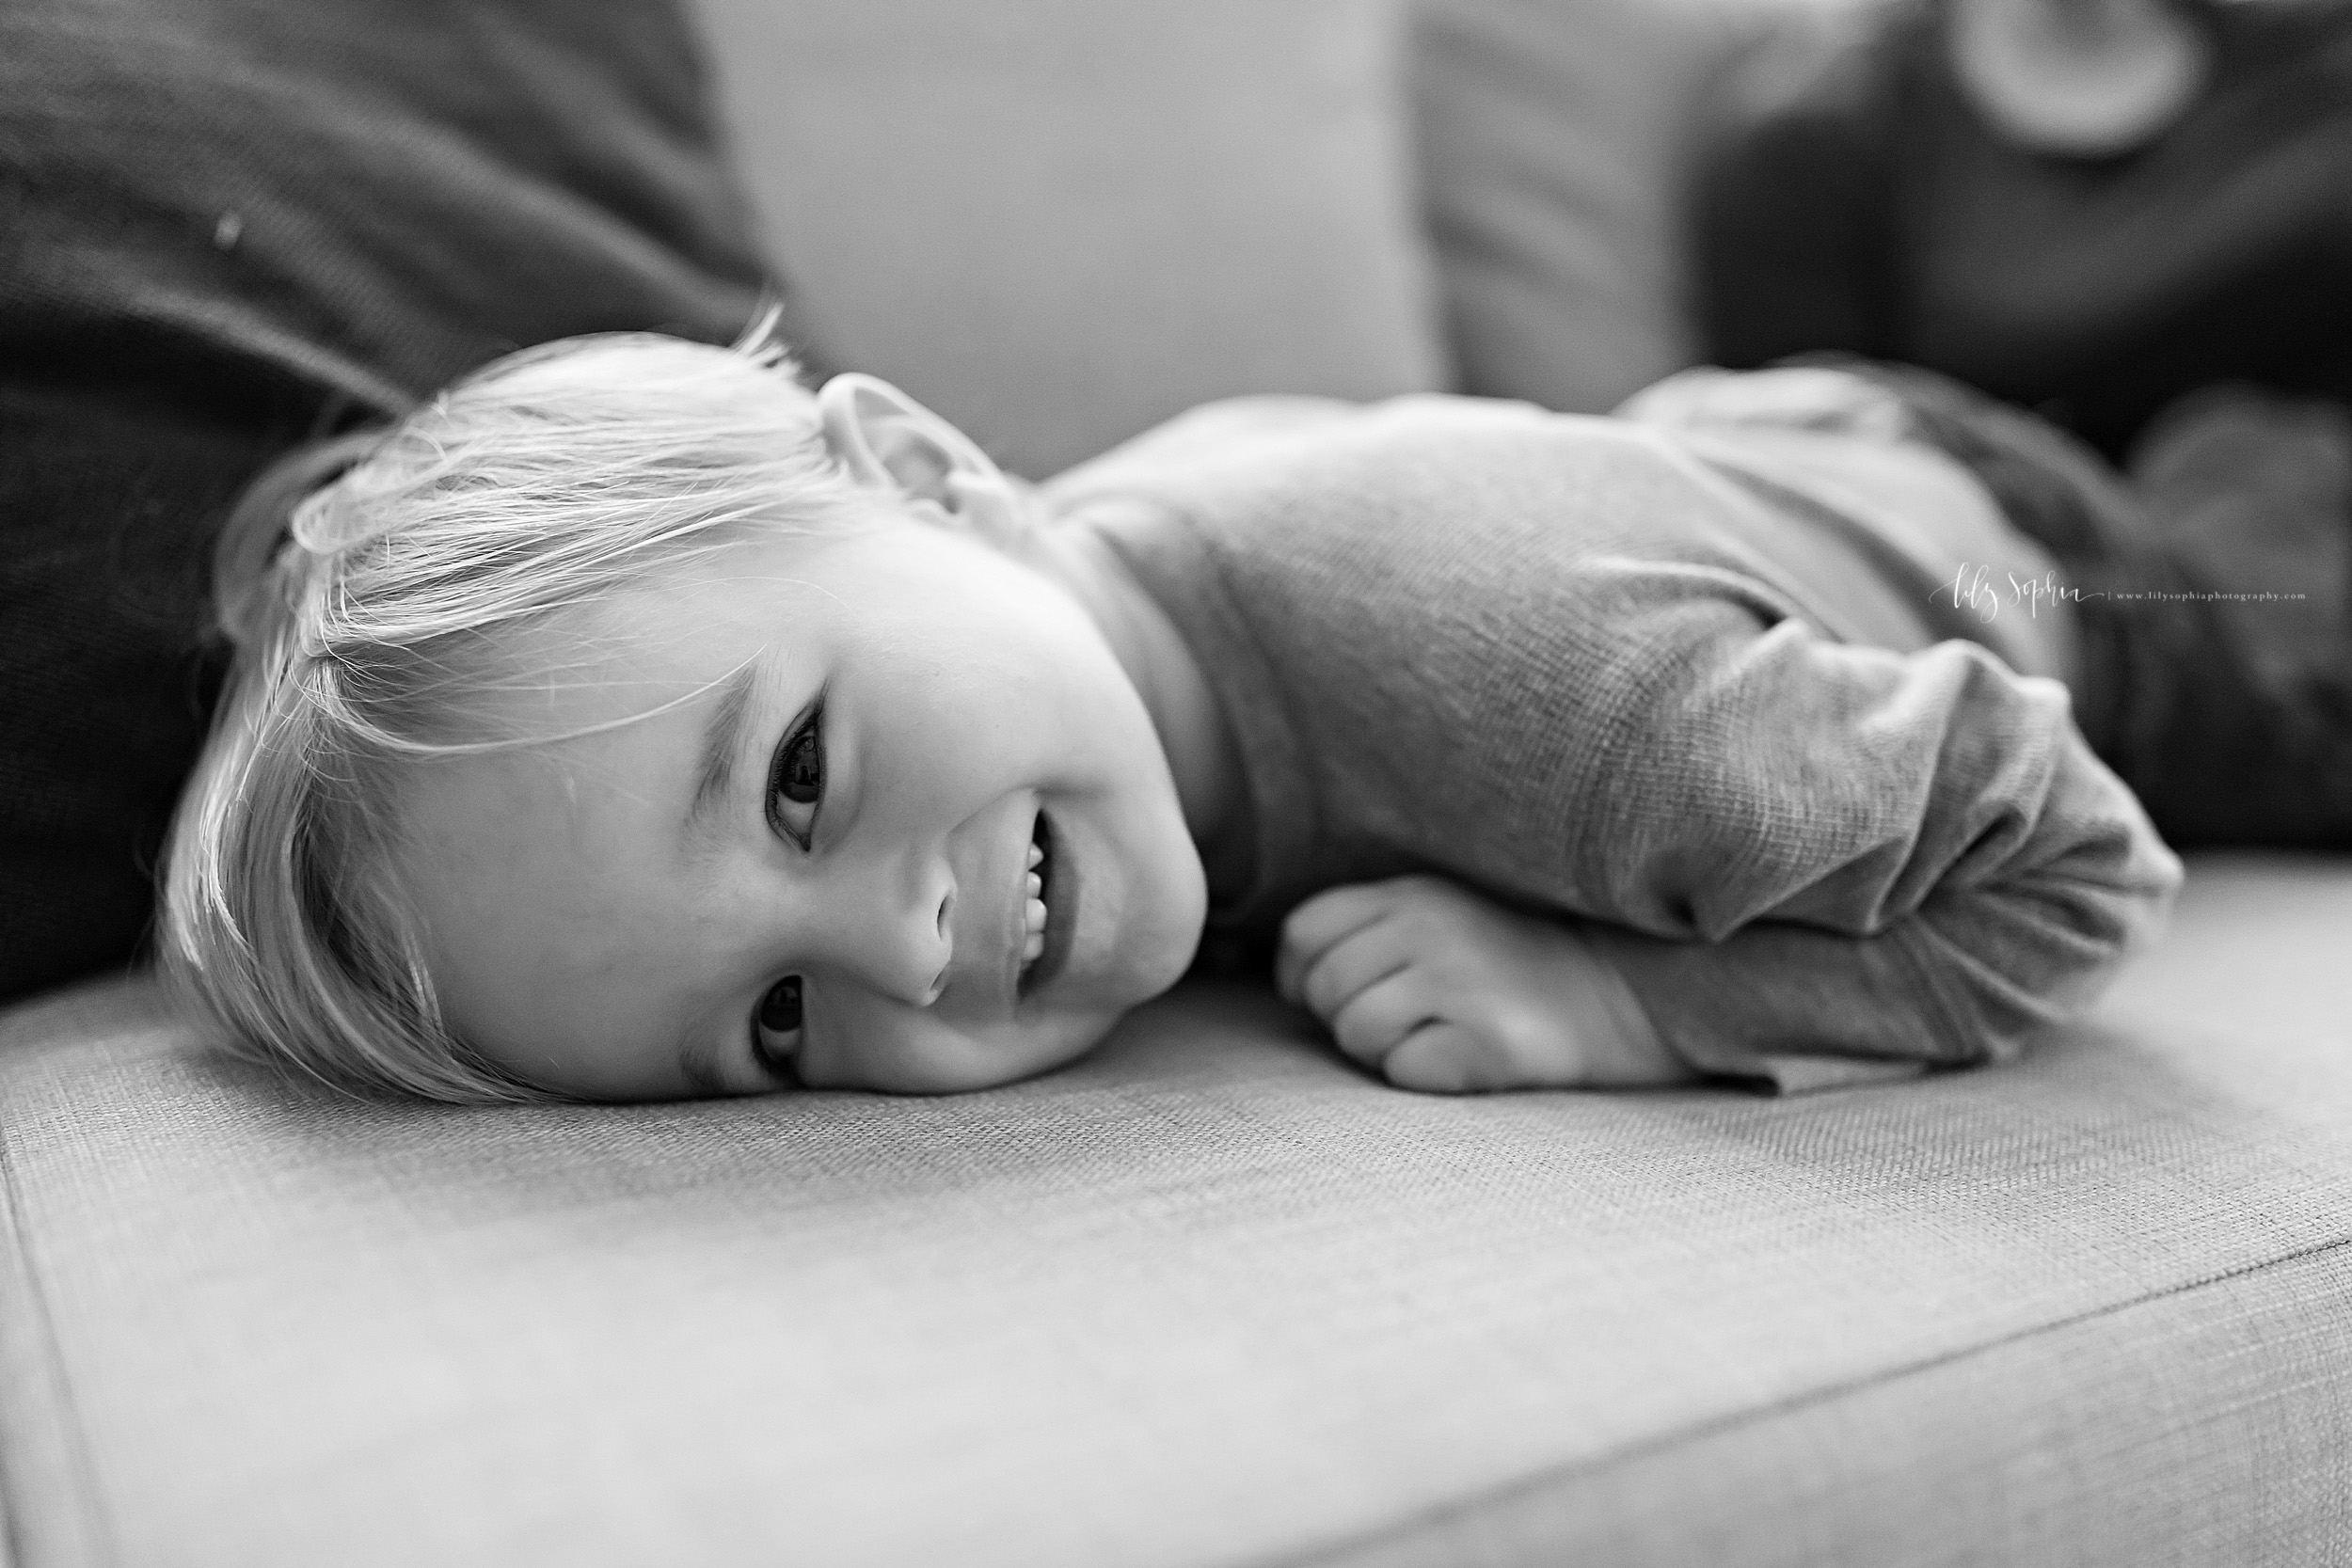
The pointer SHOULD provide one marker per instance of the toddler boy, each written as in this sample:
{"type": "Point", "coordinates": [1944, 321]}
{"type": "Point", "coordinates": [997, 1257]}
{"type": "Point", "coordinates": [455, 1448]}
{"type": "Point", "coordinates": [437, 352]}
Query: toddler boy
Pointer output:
{"type": "Point", "coordinates": [630, 723]}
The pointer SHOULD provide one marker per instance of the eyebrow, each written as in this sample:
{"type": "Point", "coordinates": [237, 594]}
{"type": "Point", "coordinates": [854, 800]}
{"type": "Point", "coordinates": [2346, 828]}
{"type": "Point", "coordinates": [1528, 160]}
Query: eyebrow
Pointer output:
{"type": "Point", "coordinates": [714, 774]}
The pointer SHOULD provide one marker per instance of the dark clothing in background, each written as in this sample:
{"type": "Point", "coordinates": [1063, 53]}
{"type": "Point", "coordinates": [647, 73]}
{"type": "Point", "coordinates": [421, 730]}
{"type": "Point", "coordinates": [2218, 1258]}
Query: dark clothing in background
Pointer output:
{"type": "Point", "coordinates": [1853, 200]}
{"type": "Point", "coordinates": [230, 226]}
{"type": "Point", "coordinates": [2170, 696]}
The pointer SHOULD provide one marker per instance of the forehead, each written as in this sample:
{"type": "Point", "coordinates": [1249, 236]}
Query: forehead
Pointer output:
{"type": "Point", "coordinates": [634, 647]}
{"type": "Point", "coordinates": [547, 819]}
{"type": "Point", "coordinates": [605, 709]}
{"type": "Point", "coordinates": [773, 579]}
{"type": "Point", "coordinates": [553, 900]}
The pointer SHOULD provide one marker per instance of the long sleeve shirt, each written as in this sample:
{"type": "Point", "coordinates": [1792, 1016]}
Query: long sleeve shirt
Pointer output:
{"type": "Point", "coordinates": [1754, 748]}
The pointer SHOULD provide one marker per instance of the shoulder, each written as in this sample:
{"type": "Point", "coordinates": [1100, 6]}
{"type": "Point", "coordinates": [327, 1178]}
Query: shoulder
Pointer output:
{"type": "Point", "coordinates": [1267, 428]}
{"type": "Point", "coordinates": [1208, 433]}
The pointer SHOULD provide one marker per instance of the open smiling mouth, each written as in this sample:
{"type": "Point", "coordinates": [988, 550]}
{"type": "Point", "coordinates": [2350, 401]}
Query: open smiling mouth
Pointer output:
{"type": "Point", "coordinates": [1060, 892]}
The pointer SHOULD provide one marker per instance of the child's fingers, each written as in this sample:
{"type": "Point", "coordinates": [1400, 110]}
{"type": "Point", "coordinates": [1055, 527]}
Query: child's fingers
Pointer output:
{"type": "Point", "coordinates": [1363, 958]}
{"type": "Point", "coordinates": [1369, 1024]}
{"type": "Point", "coordinates": [1315, 925]}
{"type": "Point", "coordinates": [1446, 1058]}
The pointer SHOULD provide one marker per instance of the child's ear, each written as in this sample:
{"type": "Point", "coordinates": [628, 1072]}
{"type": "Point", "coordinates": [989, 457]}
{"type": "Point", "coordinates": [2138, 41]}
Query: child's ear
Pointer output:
{"type": "Point", "coordinates": [888, 440]}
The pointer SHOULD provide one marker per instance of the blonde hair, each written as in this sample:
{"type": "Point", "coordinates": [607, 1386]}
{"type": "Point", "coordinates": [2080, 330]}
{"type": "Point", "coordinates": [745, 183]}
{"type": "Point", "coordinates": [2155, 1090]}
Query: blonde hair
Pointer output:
{"type": "Point", "coordinates": [375, 612]}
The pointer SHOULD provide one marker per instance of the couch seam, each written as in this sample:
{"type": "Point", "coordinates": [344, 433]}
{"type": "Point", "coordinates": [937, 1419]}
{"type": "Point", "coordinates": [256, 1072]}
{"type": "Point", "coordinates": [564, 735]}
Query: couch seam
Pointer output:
{"type": "Point", "coordinates": [1337, 1551]}
{"type": "Point", "coordinates": [40, 1325]}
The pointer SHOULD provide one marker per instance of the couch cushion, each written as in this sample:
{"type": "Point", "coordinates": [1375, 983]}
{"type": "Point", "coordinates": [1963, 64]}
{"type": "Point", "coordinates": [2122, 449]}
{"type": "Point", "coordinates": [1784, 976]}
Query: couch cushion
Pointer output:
{"type": "Point", "coordinates": [1059, 222]}
{"type": "Point", "coordinates": [1210, 1297]}
{"type": "Point", "coordinates": [1556, 139]}
{"type": "Point", "coordinates": [229, 226]}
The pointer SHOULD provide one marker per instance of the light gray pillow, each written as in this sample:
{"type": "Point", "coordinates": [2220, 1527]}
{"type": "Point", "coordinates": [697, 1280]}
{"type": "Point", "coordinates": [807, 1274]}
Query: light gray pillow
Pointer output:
{"type": "Point", "coordinates": [1060, 221]}
{"type": "Point", "coordinates": [1556, 139]}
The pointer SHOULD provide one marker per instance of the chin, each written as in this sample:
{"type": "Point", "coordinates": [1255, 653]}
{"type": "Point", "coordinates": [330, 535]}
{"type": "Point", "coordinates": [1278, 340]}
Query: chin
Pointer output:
{"type": "Point", "coordinates": [1151, 919]}
{"type": "Point", "coordinates": [1176, 929]}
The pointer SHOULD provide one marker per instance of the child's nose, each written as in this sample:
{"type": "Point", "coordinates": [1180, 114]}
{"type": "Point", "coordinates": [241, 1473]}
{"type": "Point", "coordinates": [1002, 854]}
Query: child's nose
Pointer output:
{"type": "Point", "coordinates": [891, 927]}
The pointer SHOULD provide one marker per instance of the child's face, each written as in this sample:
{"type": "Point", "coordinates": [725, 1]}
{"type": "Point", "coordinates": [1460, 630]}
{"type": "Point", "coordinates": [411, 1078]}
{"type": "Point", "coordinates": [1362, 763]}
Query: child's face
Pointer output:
{"type": "Point", "coordinates": [814, 872]}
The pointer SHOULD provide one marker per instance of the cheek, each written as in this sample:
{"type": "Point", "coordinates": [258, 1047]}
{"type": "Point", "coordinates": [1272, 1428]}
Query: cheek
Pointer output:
{"type": "Point", "coordinates": [973, 642]}
{"type": "Point", "coordinates": [1015, 698]}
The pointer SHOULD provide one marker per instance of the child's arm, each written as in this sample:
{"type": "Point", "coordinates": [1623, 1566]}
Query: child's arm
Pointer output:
{"type": "Point", "coordinates": [1814, 861]}
{"type": "Point", "coordinates": [1863, 854]}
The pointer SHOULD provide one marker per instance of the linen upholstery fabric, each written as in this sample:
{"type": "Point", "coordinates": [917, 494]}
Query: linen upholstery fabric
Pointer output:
{"type": "Point", "coordinates": [1211, 1297]}
{"type": "Point", "coordinates": [1058, 222]}
{"type": "Point", "coordinates": [228, 226]}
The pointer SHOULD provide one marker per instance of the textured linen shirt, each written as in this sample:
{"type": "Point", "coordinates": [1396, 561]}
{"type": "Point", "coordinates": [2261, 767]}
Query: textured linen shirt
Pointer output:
{"type": "Point", "coordinates": [1750, 744]}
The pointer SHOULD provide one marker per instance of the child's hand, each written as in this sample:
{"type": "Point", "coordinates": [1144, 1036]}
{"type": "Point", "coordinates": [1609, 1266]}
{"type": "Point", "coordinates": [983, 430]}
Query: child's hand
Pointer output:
{"type": "Point", "coordinates": [1443, 990]}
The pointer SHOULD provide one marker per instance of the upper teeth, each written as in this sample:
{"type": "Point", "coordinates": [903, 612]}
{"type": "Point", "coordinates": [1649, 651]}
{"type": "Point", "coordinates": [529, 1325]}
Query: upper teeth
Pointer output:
{"type": "Point", "coordinates": [1033, 910]}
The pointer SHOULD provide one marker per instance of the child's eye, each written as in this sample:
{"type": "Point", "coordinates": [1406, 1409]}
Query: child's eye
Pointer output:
{"type": "Point", "coordinates": [777, 1028]}
{"type": "Point", "coordinates": [798, 777]}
